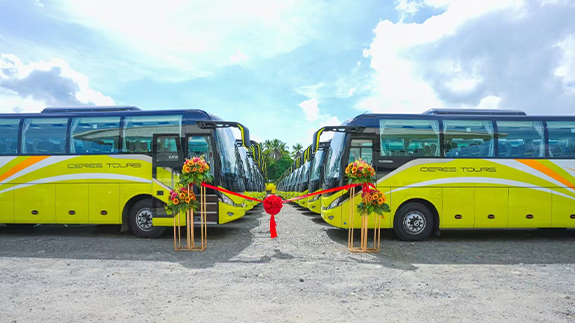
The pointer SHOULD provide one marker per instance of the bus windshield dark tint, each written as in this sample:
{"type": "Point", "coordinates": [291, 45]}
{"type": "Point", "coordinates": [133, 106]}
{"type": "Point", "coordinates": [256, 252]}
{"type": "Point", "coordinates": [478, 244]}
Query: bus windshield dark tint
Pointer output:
{"type": "Point", "coordinates": [333, 163]}
{"type": "Point", "coordinates": [229, 172]}
{"type": "Point", "coordinates": [316, 168]}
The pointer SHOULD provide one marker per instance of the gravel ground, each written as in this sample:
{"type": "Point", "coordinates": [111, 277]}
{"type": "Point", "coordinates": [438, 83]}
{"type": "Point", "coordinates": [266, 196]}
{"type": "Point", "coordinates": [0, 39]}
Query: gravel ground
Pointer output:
{"type": "Point", "coordinates": [94, 273]}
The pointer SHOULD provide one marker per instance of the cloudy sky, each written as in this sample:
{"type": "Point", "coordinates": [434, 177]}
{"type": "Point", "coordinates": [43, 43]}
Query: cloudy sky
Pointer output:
{"type": "Point", "coordinates": [285, 68]}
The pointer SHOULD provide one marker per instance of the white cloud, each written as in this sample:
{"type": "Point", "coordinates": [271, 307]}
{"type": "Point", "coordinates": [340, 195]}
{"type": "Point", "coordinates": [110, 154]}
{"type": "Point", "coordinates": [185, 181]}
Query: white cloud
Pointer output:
{"type": "Point", "coordinates": [33, 86]}
{"type": "Point", "coordinates": [310, 109]}
{"type": "Point", "coordinates": [509, 54]}
{"type": "Point", "coordinates": [181, 39]}
{"type": "Point", "coordinates": [407, 7]}
{"type": "Point", "coordinates": [239, 57]}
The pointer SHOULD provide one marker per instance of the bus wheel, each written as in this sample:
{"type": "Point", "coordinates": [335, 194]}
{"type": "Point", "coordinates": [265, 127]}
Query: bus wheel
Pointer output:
{"type": "Point", "coordinates": [413, 222]}
{"type": "Point", "coordinates": [140, 220]}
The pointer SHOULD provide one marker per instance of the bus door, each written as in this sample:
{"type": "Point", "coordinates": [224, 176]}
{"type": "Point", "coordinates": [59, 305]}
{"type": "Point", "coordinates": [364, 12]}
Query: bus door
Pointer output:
{"type": "Point", "coordinates": [201, 145]}
{"type": "Point", "coordinates": [167, 159]}
{"type": "Point", "coordinates": [361, 148]}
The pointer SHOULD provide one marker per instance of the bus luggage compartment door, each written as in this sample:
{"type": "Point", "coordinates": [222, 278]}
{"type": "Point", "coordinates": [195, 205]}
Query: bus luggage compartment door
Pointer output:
{"type": "Point", "coordinates": [72, 203]}
{"type": "Point", "coordinates": [7, 204]}
{"type": "Point", "coordinates": [529, 208]}
{"type": "Point", "coordinates": [458, 207]}
{"type": "Point", "coordinates": [491, 207]}
{"type": "Point", "coordinates": [36, 204]}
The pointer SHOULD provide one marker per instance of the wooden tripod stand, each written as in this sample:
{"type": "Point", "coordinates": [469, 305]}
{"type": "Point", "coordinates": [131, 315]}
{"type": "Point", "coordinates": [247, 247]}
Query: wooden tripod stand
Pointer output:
{"type": "Point", "coordinates": [190, 234]}
{"type": "Point", "coordinates": [364, 233]}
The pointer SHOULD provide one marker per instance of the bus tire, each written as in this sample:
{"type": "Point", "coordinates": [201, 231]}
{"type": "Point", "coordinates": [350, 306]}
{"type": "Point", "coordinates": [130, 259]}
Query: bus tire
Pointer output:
{"type": "Point", "coordinates": [413, 222]}
{"type": "Point", "coordinates": [140, 220]}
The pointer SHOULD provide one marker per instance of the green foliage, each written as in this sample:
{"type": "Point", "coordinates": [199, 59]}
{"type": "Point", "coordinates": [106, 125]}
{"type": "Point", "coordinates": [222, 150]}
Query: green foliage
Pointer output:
{"type": "Point", "coordinates": [181, 200]}
{"type": "Point", "coordinates": [277, 158]}
{"type": "Point", "coordinates": [296, 150]}
{"type": "Point", "coordinates": [369, 208]}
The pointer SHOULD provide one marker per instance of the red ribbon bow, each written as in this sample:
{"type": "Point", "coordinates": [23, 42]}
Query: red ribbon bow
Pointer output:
{"type": "Point", "coordinates": [273, 205]}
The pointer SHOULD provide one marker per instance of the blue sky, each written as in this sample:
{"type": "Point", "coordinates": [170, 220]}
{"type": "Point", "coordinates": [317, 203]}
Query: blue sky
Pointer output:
{"type": "Point", "coordinates": [285, 68]}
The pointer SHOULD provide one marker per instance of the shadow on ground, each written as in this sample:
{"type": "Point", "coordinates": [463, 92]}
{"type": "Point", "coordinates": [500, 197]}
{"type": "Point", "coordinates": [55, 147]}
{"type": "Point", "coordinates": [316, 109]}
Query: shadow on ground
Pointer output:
{"type": "Point", "coordinates": [106, 242]}
{"type": "Point", "coordinates": [536, 246]}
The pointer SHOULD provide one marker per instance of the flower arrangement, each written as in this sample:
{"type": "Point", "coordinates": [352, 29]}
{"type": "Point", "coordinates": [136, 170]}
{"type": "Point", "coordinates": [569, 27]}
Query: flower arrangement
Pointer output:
{"type": "Point", "coordinates": [373, 201]}
{"type": "Point", "coordinates": [360, 172]}
{"type": "Point", "coordinates": [195, 171]}
{"type": "Point", "coordinates": [181, 200]}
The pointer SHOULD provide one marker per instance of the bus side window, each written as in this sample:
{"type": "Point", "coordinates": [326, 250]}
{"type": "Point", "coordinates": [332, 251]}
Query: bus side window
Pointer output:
{"type": "Point", "coordinates": [9, 129]}
{"type": "Point", "coordinates": [561, 139]}
{"type": "Point", "coordinates": [521, 139]}
{"type": "Point", "coordinates": [138, 131]}
{"type": "Point", "coordinates": [409, 138]}
{"type": "Point", "coordinates": [473, 139]}
{"type": "Point", "coordinates": [95, 135]}
{"type": "Point", "coordinates": [44, 136]}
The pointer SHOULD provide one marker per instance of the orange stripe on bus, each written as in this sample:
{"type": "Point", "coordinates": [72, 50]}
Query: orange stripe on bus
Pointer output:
{"type": "Point", "coordinates": [27, 162]}
{"type": "Point", "coordinates": [545, 170]}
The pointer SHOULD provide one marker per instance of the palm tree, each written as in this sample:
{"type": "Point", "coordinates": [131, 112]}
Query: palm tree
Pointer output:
{"type": "Point", "coordinates": [275, 148]}
{"type": "Point", "coordinates": [297, 150]}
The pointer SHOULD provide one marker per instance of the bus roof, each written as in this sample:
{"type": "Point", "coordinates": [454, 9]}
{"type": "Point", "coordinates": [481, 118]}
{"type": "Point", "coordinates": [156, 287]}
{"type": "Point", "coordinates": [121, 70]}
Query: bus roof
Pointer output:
{"type": "Point", "coordinates": [496, 112]}
{"type": "Point", "coordinates": [372, 119]}
{"type": "Point", "coordinates": [96, 111]}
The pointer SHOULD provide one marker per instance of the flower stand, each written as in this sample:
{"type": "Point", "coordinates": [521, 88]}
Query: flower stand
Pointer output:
{"type": "Point", "coordinates": [363, 246]}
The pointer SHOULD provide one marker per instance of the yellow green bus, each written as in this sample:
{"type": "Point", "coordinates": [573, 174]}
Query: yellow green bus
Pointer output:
{"type": "Point", "coordinates": [458, 169]}
{"type": "Point", "coordinates": [112, 165]}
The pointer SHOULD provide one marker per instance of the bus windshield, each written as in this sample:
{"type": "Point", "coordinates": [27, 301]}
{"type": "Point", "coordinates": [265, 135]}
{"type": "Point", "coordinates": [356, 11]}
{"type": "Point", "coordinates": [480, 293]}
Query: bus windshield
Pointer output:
{"type": "Point", "coordinates": [304, 175]}
{"type": "Point", "coordinates": [230, 171]}
{"type": "Point", "coordinates": [246, 168]}
{"type": "Point", "coordinates": [333, 163]}
{"type": "Point", "coordinates": [316, 166]}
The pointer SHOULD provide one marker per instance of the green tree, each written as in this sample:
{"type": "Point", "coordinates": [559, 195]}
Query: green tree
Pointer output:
{"type": "Point", "coordinates": [277, 158]}
{"type": "Point", "coordinates": [275, 149]}
{"type": "Point", "coordinates": [297, 150]}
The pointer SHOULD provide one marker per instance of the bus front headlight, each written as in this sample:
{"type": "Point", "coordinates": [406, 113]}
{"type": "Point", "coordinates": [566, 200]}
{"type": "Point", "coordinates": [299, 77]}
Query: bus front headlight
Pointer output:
{"type": "Point", "coordinates": [333, 204]}
{"type": "Point", "coordinates": [229, 201]}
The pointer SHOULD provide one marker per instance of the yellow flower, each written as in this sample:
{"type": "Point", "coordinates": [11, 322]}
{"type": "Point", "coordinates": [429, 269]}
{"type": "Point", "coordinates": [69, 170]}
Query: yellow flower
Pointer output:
{"type": "Point", "coordinates": [188, 199]}
{"type": "Point", "coordinates": [374, 197]}
{"type": "Point", "coordinates": [381, 200]}
{"type": "Point", "coordinates": [182, 196]}
{"type": "Point", "coordinates": [176, 201]}
{"type": "Point", "coordinates": [186, 169]}
{"type": "Point", "coordinates": [354, 170]}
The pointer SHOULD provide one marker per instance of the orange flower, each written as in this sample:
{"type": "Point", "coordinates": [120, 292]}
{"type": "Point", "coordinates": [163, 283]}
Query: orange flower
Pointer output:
{"type": "Point", "coordinates": [194, 169]}
{"type": "Point", "coordinates": [374, 197]}
{"type": "Point", "coordinates": [188, 199]}
{"type": "Point", "coordinates": [354, 170]}
{"type": "Point", "coordinates": [347, 170]}
{"type": "Point", "coordinates": [381, 201]}
{"type": "Point", "coordinates": [176, 201]}
{"type": "Point", "coordinates": [359, 175]}
{"type": "Point", "coordinates": [186, 169]}
{"type": "Point", "coordinates": [182, 196]}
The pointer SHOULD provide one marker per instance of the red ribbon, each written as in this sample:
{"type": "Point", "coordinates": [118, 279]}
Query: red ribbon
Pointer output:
{"type": "Point", "coordinates": [229, 192]}
{"type": "Point", "coordinates": [273, 231]}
